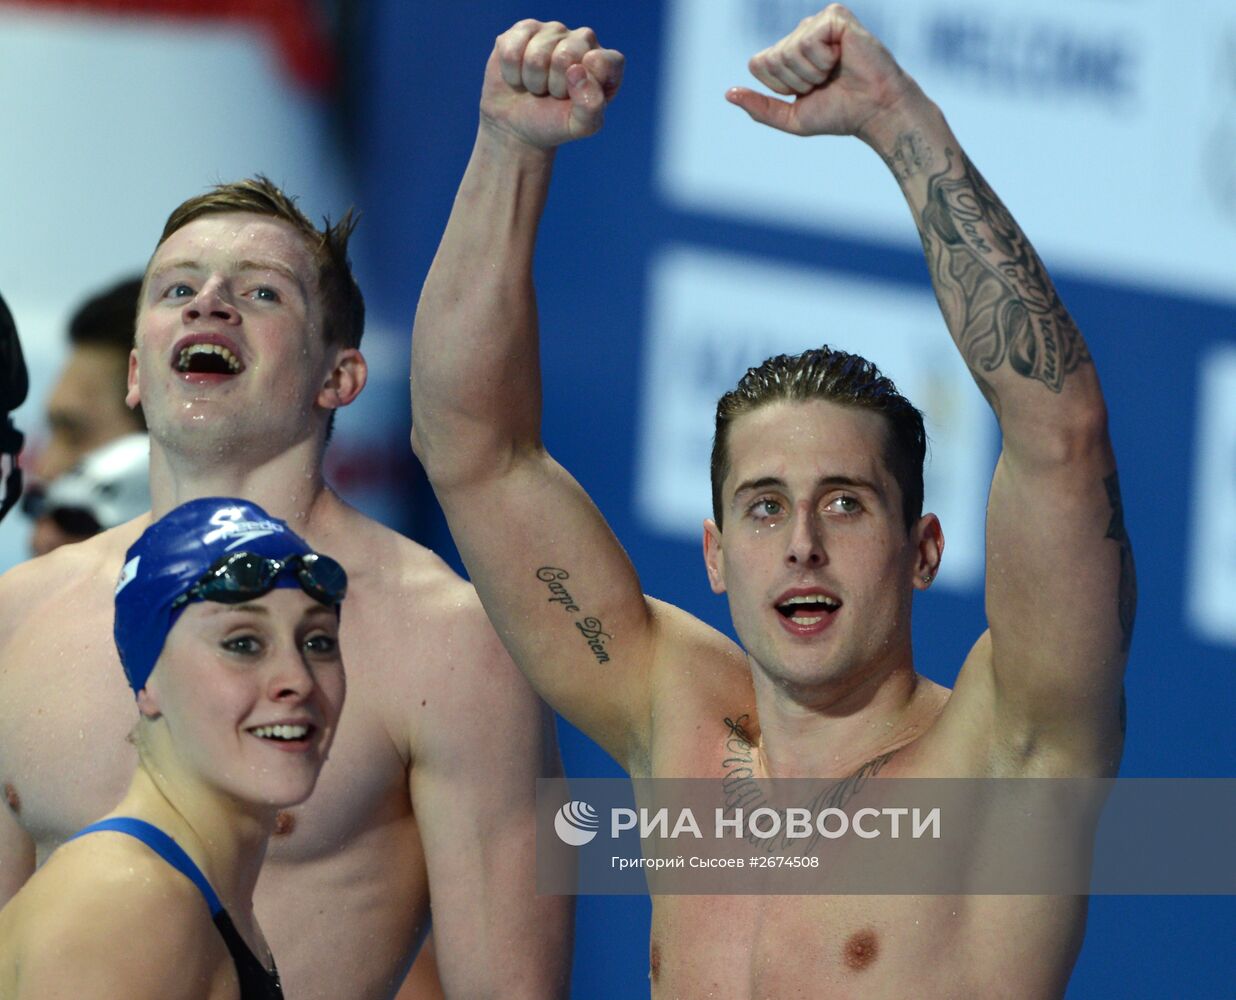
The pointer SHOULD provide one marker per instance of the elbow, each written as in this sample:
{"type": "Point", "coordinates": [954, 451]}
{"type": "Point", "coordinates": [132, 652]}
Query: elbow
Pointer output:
{"type": "Point", "coordinates": [444, 466]}
{"type": "Point", "coordinates": [467, 456]}
{"type": "Point", "coordinates": [1077, 436]}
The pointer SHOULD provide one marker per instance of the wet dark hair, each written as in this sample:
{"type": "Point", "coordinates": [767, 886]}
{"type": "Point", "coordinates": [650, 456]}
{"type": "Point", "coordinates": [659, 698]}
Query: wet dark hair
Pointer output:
{"type": "Point", "coordinates": [848, 379]}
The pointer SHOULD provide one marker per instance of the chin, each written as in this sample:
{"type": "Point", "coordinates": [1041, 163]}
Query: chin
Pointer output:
{"type": "Point", "coordinates": [275, 793]}
{"type": "Point", "coordinates": [807, 672]}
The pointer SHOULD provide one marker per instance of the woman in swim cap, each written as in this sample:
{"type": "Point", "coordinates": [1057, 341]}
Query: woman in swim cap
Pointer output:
{"type": "Point", "coordinates": [227, 625]}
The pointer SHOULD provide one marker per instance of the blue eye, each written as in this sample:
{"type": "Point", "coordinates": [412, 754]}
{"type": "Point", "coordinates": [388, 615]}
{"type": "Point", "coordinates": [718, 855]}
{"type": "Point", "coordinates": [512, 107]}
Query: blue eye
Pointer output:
{"type": "Point", "coordinates": [845, 505]}
{"type": "Point", "coordinates": [178, 291]}
{"type": "Point", "coordinates": [243, 645]}
{"type": "Point", "coordinates": [321, 645]}
{"type": "Point", "coordinates": [766, 507]}
{"type": "Point", "coordinates": [264, 293]}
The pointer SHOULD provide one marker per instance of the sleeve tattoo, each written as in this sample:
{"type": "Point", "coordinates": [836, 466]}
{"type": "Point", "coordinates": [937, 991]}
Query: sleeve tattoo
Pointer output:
{"type": "Point", "coordinates": [992, 287]}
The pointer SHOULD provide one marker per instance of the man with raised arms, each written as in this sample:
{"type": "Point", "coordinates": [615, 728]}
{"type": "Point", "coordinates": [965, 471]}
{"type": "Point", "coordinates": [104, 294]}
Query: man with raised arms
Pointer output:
{"type": "Point", "coordinates": [817, 537]}
{"type": "Point", "coordinates": [246, 343]}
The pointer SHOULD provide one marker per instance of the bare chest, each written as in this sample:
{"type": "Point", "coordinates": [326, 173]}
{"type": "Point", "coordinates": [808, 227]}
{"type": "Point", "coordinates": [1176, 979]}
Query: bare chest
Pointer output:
{"type": "Point", "coordinates": [780, 947]}
{"type": "Point", "coordinates": [783, 947]}
{"type": "Point", "coordinates": [65, 715]}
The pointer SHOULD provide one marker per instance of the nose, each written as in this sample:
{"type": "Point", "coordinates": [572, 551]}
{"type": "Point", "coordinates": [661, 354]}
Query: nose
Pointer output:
{"type": "Point", "coordinates": [290, 678]}
{"type": "Point", "coordinates": [805, 545]}
{"type": "Point", "coordinates": [211, 302]}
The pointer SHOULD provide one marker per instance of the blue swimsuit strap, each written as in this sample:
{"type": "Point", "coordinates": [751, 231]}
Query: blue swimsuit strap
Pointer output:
{"type": "Point", "coordinates": [162, 845]}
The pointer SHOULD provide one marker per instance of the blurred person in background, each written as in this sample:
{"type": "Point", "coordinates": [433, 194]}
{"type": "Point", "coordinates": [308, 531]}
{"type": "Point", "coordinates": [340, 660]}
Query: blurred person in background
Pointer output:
{"type": "Point", "coordinates": [70, 498]}
{"type": "Point", "coordinates": [109, 486]}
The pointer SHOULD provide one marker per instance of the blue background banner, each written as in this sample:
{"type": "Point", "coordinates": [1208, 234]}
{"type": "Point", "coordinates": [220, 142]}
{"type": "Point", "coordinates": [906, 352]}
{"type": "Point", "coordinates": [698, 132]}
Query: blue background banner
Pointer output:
{"type": "Point", "coordinates": [607, 223]}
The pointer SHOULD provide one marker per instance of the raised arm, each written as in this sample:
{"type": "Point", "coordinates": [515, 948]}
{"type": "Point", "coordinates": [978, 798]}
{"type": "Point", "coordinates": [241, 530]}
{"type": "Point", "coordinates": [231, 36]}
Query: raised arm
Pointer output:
{"type": "Point", "coordinates": [1060, 583]}
{"type": "Point", "coordinates": [552, 577]}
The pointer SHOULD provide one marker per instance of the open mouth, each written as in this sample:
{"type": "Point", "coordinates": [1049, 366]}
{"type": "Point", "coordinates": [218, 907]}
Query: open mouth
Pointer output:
{"type": "Point", "coordinates": [207, 359]}
{"type": "Point", "coordinates": [285, 732]}
{"type": "Point", "coordinates": [808, 609]}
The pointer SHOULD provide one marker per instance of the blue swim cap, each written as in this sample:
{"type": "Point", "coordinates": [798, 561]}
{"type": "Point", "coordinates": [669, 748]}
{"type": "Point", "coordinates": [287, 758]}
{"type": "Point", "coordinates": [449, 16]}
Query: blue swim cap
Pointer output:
{"type": "Point", "coordinates": [172, 555]}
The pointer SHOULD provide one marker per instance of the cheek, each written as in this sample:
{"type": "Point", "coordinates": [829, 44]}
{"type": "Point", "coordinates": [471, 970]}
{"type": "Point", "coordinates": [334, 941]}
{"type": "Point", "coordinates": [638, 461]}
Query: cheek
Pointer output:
{"type": "Point", "coordinates": [335, 691]}
{"type": "Point", "coordinates": [214, 703]}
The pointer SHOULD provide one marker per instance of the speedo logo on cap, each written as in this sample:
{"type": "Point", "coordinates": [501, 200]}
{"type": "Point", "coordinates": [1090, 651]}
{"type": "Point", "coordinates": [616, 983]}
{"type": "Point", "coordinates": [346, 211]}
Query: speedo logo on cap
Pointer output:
{"type": "Point", "coordinates": [229, 524]}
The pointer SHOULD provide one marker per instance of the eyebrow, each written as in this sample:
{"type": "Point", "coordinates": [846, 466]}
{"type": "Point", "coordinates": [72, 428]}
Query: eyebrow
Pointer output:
{"type": "Point", "coordinates": [775, 482]}
{"type": "Point", "coordinates": [188, 264]}
{"type": "Point", "coordinates": [250, 607]}
{"type": "Point", "coordinates": [253, 607]}
{"type": "Point", "coordinates": [270, 265]}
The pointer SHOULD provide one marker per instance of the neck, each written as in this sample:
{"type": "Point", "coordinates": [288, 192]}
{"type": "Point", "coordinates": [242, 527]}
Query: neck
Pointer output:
{"type": "Point", "coordinates": [287, 484]}
{"type": "Point", "coordinates": [225, 839]}
{"type": "Point", "coordinates": [834, 729]}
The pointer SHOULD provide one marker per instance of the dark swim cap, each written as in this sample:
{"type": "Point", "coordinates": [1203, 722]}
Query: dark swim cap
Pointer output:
{"type": "Point", "coordinates": [173, 554]}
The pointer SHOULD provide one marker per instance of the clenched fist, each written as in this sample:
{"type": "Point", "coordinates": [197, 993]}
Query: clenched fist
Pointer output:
{"type": "Point", "coordinates": [840, 76]}
{"type": "Point", "coordinates": [546, 84]}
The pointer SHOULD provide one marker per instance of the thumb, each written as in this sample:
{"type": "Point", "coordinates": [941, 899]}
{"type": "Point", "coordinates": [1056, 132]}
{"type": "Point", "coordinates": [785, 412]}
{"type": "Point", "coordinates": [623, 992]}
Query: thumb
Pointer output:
{"type": "Point", "coordinates": [764, 109]}
{"type": "Point", "coordinates": [587, 102]}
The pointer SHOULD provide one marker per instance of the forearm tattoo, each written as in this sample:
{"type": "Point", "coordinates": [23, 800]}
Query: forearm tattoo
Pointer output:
{"type": "Point", "coordinates": [590, 628]}
{"type": "Point", "coordinates": [994, 291]}
{"type": "Point", "coordinates": [1126, 590]}
{"type": "Point", "coordinates": [911, 155]}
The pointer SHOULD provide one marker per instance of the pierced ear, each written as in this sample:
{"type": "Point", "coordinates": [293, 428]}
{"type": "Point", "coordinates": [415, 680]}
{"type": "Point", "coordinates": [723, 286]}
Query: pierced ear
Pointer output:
{"type": "Point", "coordinates": [929, 543]}
{"type": "Point", "coordinates": [132, 397]}
{"type": "Point", "coordinates": [714, 556]}
{"type": "Point", "coordinates": [148, 703]}
{"type": "Point", "coordinates": [345, 381]}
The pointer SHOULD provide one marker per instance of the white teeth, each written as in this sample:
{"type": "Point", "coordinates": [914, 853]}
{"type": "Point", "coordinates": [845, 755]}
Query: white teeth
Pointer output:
{"type": "Point", "coordinates": [281, 732]}
{"type": "Point", "coordinates": [233, 362]}
{"type": "Point", "coordinates": [828, 602]}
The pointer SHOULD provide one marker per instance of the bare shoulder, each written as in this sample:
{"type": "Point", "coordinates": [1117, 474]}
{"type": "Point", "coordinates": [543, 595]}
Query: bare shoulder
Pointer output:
{"type": "Point", "coordinates": [414, 624]}
{"type": "Point", "coordinates": [106, 917]}
{"type": "Point", "coordinates": [692, 656]}
{"type": "Point", "coordinates": [966, 739]}
{"type": "Point", "coordinates": [390, 571]}
{"type": "Point", "coordinates": [51, 580]}
{"type": "Point", "coordinates": [701, 684]}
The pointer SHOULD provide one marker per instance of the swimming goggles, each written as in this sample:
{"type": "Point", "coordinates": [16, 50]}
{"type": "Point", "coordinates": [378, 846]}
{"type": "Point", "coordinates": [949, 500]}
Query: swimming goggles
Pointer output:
{"type": "Point", "coordinates": [244, 576]}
